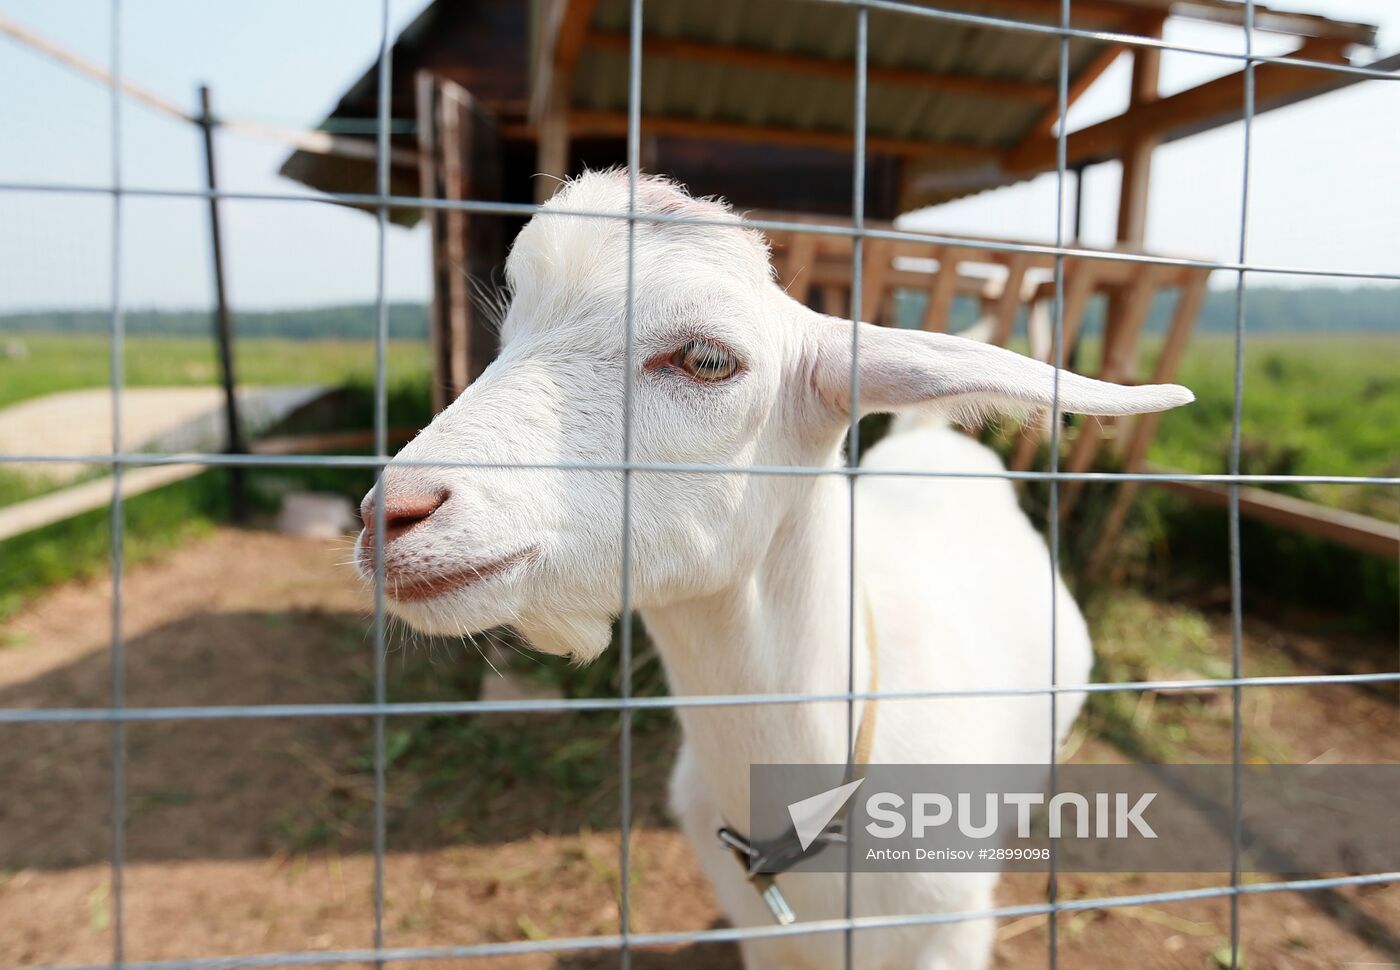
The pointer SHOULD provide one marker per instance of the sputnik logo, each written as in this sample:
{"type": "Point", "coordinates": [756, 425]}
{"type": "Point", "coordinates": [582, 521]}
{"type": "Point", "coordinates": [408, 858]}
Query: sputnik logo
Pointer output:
{"type": "Point", "coordinates": [811, 816]}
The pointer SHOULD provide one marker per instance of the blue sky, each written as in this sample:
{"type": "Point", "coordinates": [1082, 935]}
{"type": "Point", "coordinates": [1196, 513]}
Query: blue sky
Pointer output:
{"type": "Point", "coordinates": [1325, 189]}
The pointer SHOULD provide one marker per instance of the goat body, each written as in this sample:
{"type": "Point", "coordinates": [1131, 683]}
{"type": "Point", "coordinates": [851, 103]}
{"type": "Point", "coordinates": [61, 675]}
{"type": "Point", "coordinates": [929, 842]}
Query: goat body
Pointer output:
{"type": "Point", "coordinates": [960, 588]}
{"type": "Point", "coordinates": [746, 581]}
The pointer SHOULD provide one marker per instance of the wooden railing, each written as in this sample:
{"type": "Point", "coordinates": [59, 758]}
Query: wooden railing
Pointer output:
{"type": "Point", "coordinates": [1009, 287]}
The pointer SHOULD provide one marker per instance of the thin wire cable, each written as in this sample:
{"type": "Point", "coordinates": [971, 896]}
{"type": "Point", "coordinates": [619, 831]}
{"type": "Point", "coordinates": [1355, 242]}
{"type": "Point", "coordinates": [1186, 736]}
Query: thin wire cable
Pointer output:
{"type": "Point", "coordinates": [1236, 563]}
{"type": "Point", "coordinates": [117, 362]}
{"type": "Point", "coordinates": [663, 468]}
{"type": "Point", "coordinates": [381, 451]}
{"type": "Point", "coordinates": [373, 200]}
{"type": "Point", "coordinates": [61, 715]}
{"type": "Point", "coordinates": [634, 156]}
{"type": "Point", "coordinates": [862, 43]}
{"type": "Point", "coordinates": [265, 961]}
{"type": "Point", "coordinates": [1057, 336]}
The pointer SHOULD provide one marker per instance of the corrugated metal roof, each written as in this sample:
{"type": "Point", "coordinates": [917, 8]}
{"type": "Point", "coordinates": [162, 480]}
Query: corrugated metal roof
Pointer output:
{"type": "Point", "coordinates": [829, 30]}
{"type": "Point", "coordinates": [728, 84]}
{"type": "Point", "coordinates": [680, 88]}
{"type": "Point", "coordinates": [712, 90]}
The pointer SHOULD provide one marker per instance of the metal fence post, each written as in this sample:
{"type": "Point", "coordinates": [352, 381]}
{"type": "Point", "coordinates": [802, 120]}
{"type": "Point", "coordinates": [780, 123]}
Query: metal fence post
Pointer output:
{"type": "Point", "coordinates": [223, 321]}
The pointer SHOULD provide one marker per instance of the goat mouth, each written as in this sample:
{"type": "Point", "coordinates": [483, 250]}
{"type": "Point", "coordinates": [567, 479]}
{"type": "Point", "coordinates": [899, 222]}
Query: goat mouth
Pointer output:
{"type": "Point", "coordinates": [417, 588]}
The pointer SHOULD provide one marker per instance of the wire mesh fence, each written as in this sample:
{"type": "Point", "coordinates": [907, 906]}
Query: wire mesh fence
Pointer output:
{"type": "Point", "coordinates": [119, 714]}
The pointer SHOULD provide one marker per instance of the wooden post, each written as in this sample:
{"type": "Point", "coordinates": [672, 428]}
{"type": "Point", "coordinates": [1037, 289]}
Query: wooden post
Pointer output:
{"type": "Point", "coordinates": [1137, 177]}
{"type": "Point", "coordinates": [459, 159]}
{"type": "Point", "coordinates": [879, 258]}
{"type": "Point", "coordinates": [1116, 356]}
{"type": "Point", "coordinates": [552, 149]}
{"type": "Point", "coordinates": [1137, 156]}
{"type": "Point", "coordinates": [456, 297]}
{"type": "Point", "coordinates": [1080, 277]}
{"type": "Point", "coordinates": [1008, 304]}
{"type": "Point", "coordinates": [801, 255]}
{"type": "Point", "coordinates": [565, 30]}
{"type": "Point", "coordinates": [223, 322]}
{"type": "Point", "coordinates": [1188, 308]}
{"type": "Point", "coordinates": [942, 290]}
{"type": "Point", "coordinates": [424, 92]}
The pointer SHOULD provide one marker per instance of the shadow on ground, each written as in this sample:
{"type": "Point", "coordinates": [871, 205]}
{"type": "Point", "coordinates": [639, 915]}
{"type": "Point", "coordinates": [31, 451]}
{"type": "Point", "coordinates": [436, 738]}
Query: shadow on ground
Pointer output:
{"type": "Point", "coordinates": [697, 956]}
{"type": "Point", "coordinates": [239, 788]}
{"type": "Point", "coordinates": [254, 836]}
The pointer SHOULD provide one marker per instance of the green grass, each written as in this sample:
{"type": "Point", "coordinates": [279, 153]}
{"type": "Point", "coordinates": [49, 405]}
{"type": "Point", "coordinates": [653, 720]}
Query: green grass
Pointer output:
{"type": "Point", "coordinates": [1319, 405]}
{"type": "Point", "coordinates": [1138, 638]}
{"type": "Point", "coordinates": [81, 547]}
{"type": "Point", "coordinates": [61, 362]}
{"type": "Point", "coordinates": [17, 488]}
{"type": "Point", "coordinates": [1312, 406]}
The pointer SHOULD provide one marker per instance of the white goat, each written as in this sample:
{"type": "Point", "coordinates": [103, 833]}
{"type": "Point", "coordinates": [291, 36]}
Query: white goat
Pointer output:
{"type": "Point", "coordinates": [742, 579]}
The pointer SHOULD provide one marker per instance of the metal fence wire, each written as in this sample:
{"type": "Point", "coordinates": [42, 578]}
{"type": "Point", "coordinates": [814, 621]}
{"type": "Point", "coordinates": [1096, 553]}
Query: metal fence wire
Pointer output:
{"type": "Point", "coordinates": [118, 714]}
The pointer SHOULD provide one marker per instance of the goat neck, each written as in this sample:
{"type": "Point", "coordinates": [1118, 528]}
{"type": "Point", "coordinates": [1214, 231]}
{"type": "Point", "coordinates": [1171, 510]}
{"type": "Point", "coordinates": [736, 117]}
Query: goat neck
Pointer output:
{"type": "Point", "coordinates": [780, 629]}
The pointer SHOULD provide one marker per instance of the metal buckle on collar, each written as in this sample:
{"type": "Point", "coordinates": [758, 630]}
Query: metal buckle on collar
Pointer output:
{"type": "Point", "coordinates": [763, 861]}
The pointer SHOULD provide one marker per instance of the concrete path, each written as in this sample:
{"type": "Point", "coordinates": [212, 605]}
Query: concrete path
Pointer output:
{"type": "Point", "coordinates": [166, 419]}
{"type": "Point", "coordinates": [154, 419]}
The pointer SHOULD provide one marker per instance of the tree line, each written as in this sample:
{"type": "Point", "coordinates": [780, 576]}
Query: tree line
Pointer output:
{"type": "Point", "coordinates": [1267, 310]}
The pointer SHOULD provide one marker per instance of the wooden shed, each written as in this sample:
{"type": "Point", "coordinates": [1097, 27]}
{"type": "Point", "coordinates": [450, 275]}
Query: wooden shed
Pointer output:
{"type": "Point", "coordinates": [753, 100]}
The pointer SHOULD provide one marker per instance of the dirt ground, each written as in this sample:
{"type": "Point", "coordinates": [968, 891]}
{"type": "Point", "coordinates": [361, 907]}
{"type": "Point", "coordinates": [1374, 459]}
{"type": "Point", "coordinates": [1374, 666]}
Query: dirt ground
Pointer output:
{"type": "Point", "coordinates": [253, 836]}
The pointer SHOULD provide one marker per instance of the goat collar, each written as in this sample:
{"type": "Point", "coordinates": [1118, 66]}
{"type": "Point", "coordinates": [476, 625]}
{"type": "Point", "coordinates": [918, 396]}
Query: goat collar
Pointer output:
{"type": "Point", "coordinates": [763, 861]}
{"type": "Point", "coordinates": [865, 734]}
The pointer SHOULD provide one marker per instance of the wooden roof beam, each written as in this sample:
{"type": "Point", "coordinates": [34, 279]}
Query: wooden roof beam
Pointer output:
{"type": "Point", "coordinates": [563, 32]}
{"type": "Point", "coordinates": [712, 53]}
{"type": "Point", "coordinates": [573, 31]}
{"type": "Point", "coordinates": [1195, 107]}
{"type": "Point", "coordinates": [583, 123]}
{"type": "Point", "coordinates": [1147, 25]}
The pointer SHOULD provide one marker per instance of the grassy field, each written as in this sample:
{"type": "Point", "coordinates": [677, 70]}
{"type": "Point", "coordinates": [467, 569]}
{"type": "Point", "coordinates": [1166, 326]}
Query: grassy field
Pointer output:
{"type": "Point", "coordinates": [1323, 405]}
{"type": "Point", "coordinates": [1317, 405]}
{"type": "Point", "coordinates": [69, 362]}
{"type": "Point", "coordinates": [1313, 405]}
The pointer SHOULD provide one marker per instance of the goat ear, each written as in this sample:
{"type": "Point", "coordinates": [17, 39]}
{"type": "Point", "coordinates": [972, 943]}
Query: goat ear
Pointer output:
{"type": "Point", "coordinates": [907, 368]}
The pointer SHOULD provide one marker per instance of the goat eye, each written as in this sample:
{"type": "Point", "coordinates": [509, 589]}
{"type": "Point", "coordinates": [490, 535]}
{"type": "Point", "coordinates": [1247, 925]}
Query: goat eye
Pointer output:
{"type": "Point", "coordinates": [706, 361]}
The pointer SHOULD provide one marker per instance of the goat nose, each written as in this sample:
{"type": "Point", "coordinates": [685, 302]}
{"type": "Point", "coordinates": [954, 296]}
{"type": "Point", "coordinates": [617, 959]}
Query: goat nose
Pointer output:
{"type": "Point", "coordinates": [401, 512]}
